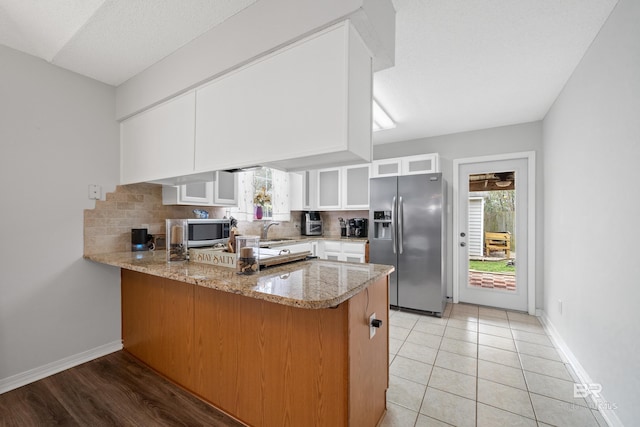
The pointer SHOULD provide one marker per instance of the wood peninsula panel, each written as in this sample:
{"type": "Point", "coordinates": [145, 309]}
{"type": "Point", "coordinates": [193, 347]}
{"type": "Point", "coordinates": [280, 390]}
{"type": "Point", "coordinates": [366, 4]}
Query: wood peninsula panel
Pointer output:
{"type": "Point", "coordinates": [266, 364]}
{"type": "Point", "coordinates": [157, 323]}
{"type": "Point", "coordinates": [271, 364]}
{"type": "Point", "coordinates": [368, 358]}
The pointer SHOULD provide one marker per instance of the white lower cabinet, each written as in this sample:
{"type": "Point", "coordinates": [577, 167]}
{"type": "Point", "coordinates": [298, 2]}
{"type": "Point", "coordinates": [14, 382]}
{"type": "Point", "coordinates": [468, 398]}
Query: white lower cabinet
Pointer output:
{"type": "Point", "coordinates": [334, 250]}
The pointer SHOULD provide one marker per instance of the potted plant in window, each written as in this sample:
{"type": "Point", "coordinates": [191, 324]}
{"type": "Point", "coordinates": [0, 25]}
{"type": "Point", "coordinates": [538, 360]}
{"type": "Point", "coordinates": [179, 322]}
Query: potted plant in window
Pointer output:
{"type": "Point", "coordinates": [260, 199]}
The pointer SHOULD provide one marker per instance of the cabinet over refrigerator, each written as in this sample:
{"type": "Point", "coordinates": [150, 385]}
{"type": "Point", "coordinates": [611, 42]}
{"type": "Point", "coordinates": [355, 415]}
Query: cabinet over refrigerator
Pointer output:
{"type": "Point", "coordinates": [407, 229]}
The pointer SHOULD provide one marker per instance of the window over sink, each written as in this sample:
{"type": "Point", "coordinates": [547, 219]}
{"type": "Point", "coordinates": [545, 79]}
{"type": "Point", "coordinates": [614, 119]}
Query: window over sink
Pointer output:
{"type": "Point", "coordinates": [266, 184]}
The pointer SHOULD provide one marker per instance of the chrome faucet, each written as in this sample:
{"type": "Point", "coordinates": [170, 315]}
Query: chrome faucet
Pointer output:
{"type": "Point", "coordinates": [265, 229]}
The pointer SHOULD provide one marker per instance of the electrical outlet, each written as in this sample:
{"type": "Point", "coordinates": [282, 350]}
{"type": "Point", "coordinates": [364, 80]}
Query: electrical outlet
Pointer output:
{"type": "Point", "coordinates": [560, 306]}
{"type": "Point", "coordinates": [372, 329]}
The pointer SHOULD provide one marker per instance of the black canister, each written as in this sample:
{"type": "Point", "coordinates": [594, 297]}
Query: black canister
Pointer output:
{"type": "Point", "coordinates": [139, 239]}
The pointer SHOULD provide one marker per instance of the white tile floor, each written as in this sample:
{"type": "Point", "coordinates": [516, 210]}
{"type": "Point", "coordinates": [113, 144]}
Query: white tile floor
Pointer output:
{"type": "Point", "coordinates": [479, 366]}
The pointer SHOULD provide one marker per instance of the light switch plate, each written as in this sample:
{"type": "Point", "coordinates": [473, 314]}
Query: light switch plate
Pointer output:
{"type": "Point", "coordinates": [95, 192]}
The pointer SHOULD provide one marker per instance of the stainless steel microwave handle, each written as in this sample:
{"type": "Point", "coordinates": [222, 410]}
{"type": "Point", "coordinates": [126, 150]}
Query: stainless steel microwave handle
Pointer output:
{"type": "Point", "coordinates": [400, 226]}
{"type": "Point", "coordinates": [393, 223]}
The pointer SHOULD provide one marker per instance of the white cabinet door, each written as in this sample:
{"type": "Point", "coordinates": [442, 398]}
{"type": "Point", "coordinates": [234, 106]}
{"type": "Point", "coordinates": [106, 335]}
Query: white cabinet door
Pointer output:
{"type": "Point", "coordinates": [220, 190]}
{"type": "Point", "coordinates": [343, 188]}
{"type": "Point", "coordinates": [355, 190]}
{"type": "Point", "coordinates": [333, 256]}
{"type": "Point", "coordinates": [198, 193]}
{"type": "Point", "coordinates": [386, 167]}
{"type": "Point", "coordinates": [280, 196]}
{"type": "Point", "coordinates": [310, 190]}
{"type": "Point", "coordinates": [329, 189]}
{"type": "Point", "coordinates": [309, 99]}
{"type": "Point", "coordinates": [295, 191]}
{"type": "Point", "coordinates": [357, 258]}
{"type": "Point", "coordinates": [335, 250]}
{"type": "Point", "coordinates": [225, 189]}
{"type": "Point", "coordinates": [158, 143]}
{"type": "Point", "coordinates": [423, 163]}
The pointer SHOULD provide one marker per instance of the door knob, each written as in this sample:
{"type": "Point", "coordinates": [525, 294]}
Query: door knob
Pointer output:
{"type": "Point", "coordinates": [463, 244]}
{"type": "Point", "coordinates": [463, 234]}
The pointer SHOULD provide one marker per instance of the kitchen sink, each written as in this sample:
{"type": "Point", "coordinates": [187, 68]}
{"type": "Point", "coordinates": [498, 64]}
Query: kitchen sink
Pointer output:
{"type": "Point", "coordinates": [267, 243]}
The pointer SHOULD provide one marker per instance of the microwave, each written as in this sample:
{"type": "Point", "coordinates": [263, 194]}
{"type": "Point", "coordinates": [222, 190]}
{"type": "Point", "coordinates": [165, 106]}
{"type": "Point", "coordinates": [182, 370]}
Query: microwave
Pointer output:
{"type": "Point", "coordinates": [207, 232]}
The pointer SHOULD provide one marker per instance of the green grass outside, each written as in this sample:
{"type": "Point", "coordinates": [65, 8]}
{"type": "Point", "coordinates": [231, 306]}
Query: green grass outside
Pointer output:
{"type": "Point", "coordinates": [492, 266]}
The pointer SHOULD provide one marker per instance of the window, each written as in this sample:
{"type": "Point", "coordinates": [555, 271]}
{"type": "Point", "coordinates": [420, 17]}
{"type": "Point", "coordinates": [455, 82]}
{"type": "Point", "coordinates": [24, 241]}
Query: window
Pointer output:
{"type": "Point", "coordinates": [263, 191]}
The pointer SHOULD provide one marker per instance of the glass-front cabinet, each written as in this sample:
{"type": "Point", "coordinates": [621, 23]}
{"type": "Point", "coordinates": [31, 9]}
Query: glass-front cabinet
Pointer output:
{"type": "Point", "coordinates": [221, 189]}
{"type": "Point", "coordinates": [343, 188]}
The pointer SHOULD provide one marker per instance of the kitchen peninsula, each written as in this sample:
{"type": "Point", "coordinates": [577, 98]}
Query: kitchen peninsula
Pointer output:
{"type": "Point", "coordinates": [289, 345]}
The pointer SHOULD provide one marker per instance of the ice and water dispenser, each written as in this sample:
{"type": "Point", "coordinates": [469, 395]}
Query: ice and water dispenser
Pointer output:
{"type": "Point", "coordinates": [382, 228]}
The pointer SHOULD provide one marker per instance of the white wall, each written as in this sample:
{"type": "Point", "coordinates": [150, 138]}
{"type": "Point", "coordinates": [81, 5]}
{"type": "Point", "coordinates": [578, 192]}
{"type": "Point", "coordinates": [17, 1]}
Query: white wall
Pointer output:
{"type": "Point", "coordinates": [591, 155]}
{"type": "Point", "coordinates": [57, 135]}
{"type": "Point", "coordinates": [506, 139]}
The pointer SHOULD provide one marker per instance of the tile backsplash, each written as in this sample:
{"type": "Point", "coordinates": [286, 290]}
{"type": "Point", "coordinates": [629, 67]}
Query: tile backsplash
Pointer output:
{"type": "Point", "coordinates": [107, 227]}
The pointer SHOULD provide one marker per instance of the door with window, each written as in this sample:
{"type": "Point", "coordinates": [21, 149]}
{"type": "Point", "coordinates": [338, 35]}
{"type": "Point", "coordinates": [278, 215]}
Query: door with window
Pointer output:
{"type": "Point", "coordinates": [491, 259]}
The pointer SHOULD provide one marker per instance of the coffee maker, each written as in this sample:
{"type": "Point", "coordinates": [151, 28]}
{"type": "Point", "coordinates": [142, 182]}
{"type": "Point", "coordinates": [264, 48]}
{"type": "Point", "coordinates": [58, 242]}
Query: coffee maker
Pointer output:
{"type": "Point", "coordinates": [358, 227]}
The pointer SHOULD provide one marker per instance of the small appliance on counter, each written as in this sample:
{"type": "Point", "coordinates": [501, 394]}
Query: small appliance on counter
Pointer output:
{"type": "Point", "coordinates": [358, 227]}
{"type": "Point", "coordinates": [311, 224]}
{"type": "Point", "coordinates": [343, 228]}
{"type": "Point", "coordinates": [141, 240]}
{"type": "Point", "coordinates": [207, 232]}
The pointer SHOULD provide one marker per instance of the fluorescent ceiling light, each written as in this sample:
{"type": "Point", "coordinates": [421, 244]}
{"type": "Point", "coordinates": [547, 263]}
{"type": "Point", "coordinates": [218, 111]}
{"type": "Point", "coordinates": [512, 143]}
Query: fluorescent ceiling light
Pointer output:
{"type": "Point", "coordinates": [381, 119]}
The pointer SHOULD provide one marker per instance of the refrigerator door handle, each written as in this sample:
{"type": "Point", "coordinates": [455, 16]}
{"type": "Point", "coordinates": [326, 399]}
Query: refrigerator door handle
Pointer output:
{"type": "Point", "coordinates": [400, 227]}
{"type": "Point", "coordinates": [393, 223]}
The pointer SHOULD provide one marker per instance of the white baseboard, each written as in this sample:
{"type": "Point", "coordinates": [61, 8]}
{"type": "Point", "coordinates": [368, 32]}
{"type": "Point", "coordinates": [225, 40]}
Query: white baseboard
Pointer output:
{"type": "Point", "coordinates": [596, 401]}
{"type": "Point", "coordinates": [35, 374]}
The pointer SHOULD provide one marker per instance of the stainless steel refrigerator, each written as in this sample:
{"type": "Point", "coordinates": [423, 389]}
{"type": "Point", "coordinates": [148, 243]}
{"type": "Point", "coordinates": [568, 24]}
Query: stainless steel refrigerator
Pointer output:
{"type": "Point", "coordinates": [407, 229]}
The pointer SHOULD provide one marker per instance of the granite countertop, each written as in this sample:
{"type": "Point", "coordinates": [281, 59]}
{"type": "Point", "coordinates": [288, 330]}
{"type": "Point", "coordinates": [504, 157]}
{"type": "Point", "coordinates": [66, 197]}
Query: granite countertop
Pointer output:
{"type": "Point", "coordinates": [312, 284]}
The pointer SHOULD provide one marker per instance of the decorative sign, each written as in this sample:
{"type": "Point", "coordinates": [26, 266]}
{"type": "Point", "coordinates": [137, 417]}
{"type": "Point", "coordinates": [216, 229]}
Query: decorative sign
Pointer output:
{"type": "Point", "coordinates": [213, 257]}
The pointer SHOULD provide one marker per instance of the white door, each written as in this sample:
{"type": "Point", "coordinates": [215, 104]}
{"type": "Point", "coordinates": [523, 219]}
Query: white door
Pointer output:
{"type": "Point", "coordinates": [490, 283]}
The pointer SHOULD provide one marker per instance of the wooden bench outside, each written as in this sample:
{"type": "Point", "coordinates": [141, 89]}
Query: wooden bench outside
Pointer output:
{"type": "Point", "coordinates": [494, 241]}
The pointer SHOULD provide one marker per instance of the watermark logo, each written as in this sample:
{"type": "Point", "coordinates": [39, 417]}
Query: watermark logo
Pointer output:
{"type": "Point", "coordinates": [584, 390]}
{"type": "Point", "coordinates": [595, 390]}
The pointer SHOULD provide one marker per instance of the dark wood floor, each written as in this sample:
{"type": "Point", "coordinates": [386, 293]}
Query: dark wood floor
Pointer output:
{"type": "Point", "coordinates": [114, 390]}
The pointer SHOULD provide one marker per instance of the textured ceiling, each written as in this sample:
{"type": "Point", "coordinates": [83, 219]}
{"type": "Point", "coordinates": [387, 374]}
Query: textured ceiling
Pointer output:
{"type": "Point", "coordinates": [108, 40]}
{"type": "Point", "coordinates": [460, 64]}
{"type": "Point", "coordinates": [467, 64]}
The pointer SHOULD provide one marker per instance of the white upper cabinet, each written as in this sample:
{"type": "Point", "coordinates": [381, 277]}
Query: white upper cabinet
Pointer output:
{"type": "Point", "coordinates": [329, 189]}
{"type": "Point", "coordinates": [410, 165]}
{"type": "Point", "coordinates": [302, 106]}
{"type": "Point", "coordinates": [296, 192]}
{"type": "Point", "coordinates": [158, 143]}
{"type": "Point", "coordinates": [225, 189]}
{"type": "Point", "coordinates": [386, 167]}
{"type": "Point", "coordinates": [281, 203]}
{"type": "Point", "coordinates": [343, 188]}
{"type": "Point", "coordinates": [355, 187]}
{"type": "Point", "coordinates": [220, 190]}
{"type": "Point", "coordinates": [423, 163]}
